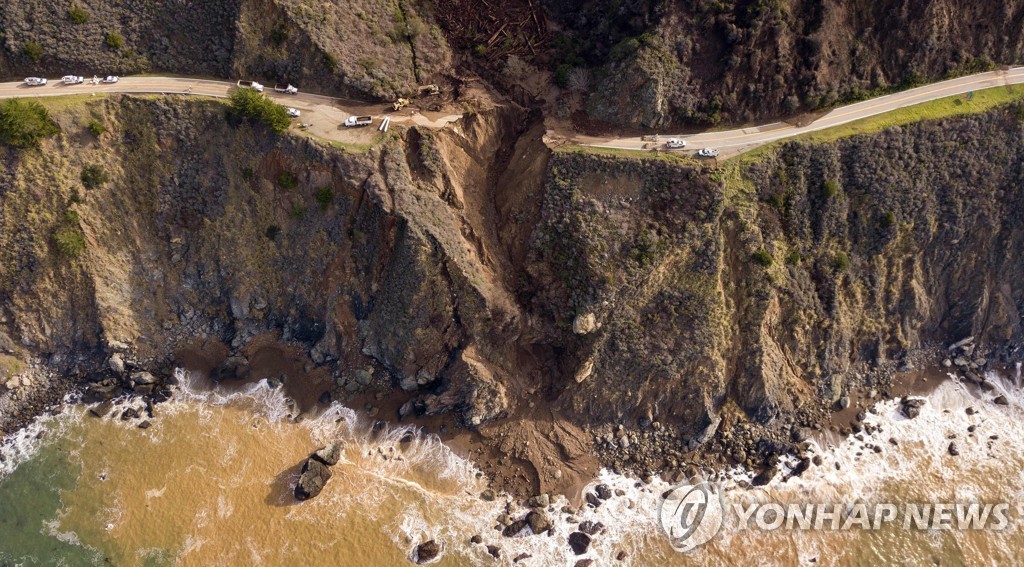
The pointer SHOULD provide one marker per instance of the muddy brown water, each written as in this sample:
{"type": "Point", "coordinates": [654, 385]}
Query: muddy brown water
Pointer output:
{"type": "Point", "coordinates": [210, 484]}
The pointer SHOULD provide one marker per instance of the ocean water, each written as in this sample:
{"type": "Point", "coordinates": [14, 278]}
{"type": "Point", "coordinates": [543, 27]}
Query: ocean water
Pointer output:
{"type": "Point", "coordinates": [210, 483]}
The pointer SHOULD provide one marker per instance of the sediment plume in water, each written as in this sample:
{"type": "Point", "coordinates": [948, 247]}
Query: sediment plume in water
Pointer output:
{"type": "Point", "coordinates": [211, 481]}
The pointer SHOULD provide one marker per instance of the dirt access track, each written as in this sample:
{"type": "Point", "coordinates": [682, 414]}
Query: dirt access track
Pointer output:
{"type": "Point", "coordinates": [327, 114]}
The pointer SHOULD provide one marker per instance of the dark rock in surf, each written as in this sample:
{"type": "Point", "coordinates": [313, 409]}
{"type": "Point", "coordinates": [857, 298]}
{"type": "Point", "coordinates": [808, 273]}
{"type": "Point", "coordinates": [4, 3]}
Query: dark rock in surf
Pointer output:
{"type": "Point", "coordinates": [579, 542]}
{"type": "Point", "coordinates": [329, 455]}
{"type": "Point", "coordinates": [427, 551]}
{"type": "Point", "coordinates": [911, 408]}
{"type": "Point", "coordinates": [538, 521]}
{"type": "Point", "coordinates": [1001, 401]}
{"type": "Point", "coordinates": [314, 476]}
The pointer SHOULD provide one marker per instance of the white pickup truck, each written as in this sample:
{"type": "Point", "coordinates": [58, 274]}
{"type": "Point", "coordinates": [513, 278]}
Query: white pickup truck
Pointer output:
{"type": "Point", "coordinates": [35, 82]}
{"type": "Point", "coordinates": [251, 85]}
{"type": "Point", "coordinates": [358, 121]}
{"type": "Point", "coordinates": [72, 79]}
{"type": "Point", "coordinates": [285, 88]}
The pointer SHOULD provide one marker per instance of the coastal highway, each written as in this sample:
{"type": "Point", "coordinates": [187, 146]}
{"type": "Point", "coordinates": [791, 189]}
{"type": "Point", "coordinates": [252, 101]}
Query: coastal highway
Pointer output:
{"type": "Point", "coordinates": [733, 142]}
{"type": "Point", "coordinates": [331, 112]}
{"type": "Point", "coordinates": [326, 114]}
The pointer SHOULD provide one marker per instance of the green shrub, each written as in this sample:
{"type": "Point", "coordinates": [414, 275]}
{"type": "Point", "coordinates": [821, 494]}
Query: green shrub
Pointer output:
{"type": "Point", "coordinates": [793, 258]}
{"type": "Point", "coordinates": [94, 176]}
{"type": "Point", "coordinates": [248, 173]}
{"type": "Point", "coordinates": [331, 62]}
{"type": "Point", "coordinates": [68, 237]}
{"type": "Point", "coordinates": [287, 181]}
{"type": "Point", "coordinates": [272, 232]}
{"type": "Point", "coordinates": [96, 128]}
{"type": "Point", "coordinates": [841, 262]}
{"type": "Point", "coordinates": [888, 219]}
{"type": "Point", "coordinates": [829, 188]}
{"type": "Point", "coordinates": [251, 104]}
{"type": "Point", "coordinates": [324, 197]}
{"type": "Point", "coordinates": [562, 74]}
{"type": "Point", "coordinates": [1020, 112]}
{"type": "Point", "coordinates": [279, 34]}
{"type": "Point", "coordinates": [33, 51]}
{"type": "Point", "coordinates": [24, 123]}
{"type": "Point", "coordinates": [480, 50]}
{"type": "Point", "coordinates": [114, 40]}
{"type": "Point", "coordinates": [298, 212]}
{"type": "Point", "coordinates": [78, 15]}
{"type": "Point", "coordinates": [763, 257]}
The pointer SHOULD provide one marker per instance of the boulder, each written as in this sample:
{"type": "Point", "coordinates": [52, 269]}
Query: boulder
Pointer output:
{"type": "Point", "coordinates": [584, 323]}
{"type": "Point", "coordinates": [328, 455]}
{"type": "Point", "coordinates": [953, 449]}
{"type": "Point", "coordinates": [579, 542]}
{"type": "Point", "coordinates": [911, 407]}
{"type": "Point", "coordinates": [143, 379]}
{"type": "Point", "coordinates": [101, 409]}
{"type": "Point", "coordinates": [765, 476]}
{"type": "Point", "coordinates": [538, 521]}
{"type": "Point", "coordinates": [494, 551]}
{"type": "Point", "coordinates": [603, 492]}
{"type": "Point", "coordinates": [427, 552]}
{"type": "Point", "coordinates": [521, 557]}
{"type": "Point", "coordinates": [314, 476]}
{"type": "Point", "coordinates": [1001, 400]}
{"type": "Point", "coordinates": [514, 528]}
{"type": "Point", "coordinates": [584, 371]}
{"type": "Point", "coordinates": [116, 363]}
{"type": "Point", "coordinates": [539, 501]}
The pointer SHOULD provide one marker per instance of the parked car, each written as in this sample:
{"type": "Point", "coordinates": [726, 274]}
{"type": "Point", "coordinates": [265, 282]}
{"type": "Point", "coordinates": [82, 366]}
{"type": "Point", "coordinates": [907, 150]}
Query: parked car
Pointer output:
{"type": "Point", "coordinates": [675, 143]}
{"type": "Point", "coordinates": [708, 152]}
{"type": "Point", "coordinates": [35, 81]}
{"type": "Point", "coordinates": [285, 88]}
{"type": "Point", "coordinates": [73, 79]}
{"type": "Point", "coordinates": [251, 85]}
{"type": "Point", "coordinates": [358, 121]}
{"type": "Point", "coordinates": [294, 112]}
{"type": "Point", "coordinates": [111, 79]}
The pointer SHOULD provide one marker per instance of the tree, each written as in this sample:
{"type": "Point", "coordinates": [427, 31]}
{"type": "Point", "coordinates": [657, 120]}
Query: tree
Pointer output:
{"type": "Point", "coordinates": [251, 104]}
{"type": "Point", "coordinates": [33, 51]}
{"type": "Point", "coordinates": [23, 123]}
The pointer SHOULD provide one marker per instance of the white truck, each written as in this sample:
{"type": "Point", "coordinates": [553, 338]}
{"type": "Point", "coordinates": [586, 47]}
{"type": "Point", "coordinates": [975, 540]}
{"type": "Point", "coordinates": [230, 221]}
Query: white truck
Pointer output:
{"type": "Point", "coordinates": [72, 79]}
{"type": "Point", "coordinates": [285, 88]}
{"type": "Point", "coordinates": [358, 121]}
{"type": "Point", "coordinates": [35, 82]}
{"type": "Point", "coordinates": [251, 85]}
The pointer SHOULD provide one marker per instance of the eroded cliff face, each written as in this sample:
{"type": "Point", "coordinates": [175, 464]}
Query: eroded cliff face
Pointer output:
{"type": "Point", "coordinates": [473, 272]}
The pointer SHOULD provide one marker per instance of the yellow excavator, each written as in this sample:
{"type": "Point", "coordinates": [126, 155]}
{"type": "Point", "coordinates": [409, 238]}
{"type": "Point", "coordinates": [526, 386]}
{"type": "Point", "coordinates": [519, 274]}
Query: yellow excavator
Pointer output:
{"type": "Point", "coordinates": [425, 90]}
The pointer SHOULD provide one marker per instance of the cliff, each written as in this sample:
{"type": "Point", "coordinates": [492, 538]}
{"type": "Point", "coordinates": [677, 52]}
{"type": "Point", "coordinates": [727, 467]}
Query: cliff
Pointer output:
{"type": "Point", "coordinates": [473, 271]}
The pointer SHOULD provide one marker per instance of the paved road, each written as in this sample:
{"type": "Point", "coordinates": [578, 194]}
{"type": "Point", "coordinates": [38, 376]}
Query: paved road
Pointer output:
{"type": "Point", "coordinates": [732, 142]}
{"type": "Point", "coordinates": [325, 113]}
{"type": "Point", "coordinates": [328, 113]}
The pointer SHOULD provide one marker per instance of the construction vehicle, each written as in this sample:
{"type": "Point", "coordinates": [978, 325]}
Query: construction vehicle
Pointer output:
{"type": "Point", "coordinates": [251, 85]}
{"type": "Point", "coordinates": [398, 104]}
{"type": "Point", "coordinates": [429, 90]}
{"type": "Point", "coordinates": [285, 88]}
{"type": "Point", "coordinates": [358, 121]}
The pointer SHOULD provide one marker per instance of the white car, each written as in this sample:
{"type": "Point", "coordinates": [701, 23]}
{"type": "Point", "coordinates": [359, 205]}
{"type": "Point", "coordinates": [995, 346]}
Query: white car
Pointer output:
{"type": "Point", "coordinates": [675, 143]}
{"type": "Point", "coordinates": [73, 79]}
{"type": "Point", "coordinates": [35, 81]}
{"type": "Point", "coordinates": [294, 112]}
{"type": "Point", "coordinates": [708, 152]}
{"type": "Point", "coordinates": [109, 79]}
